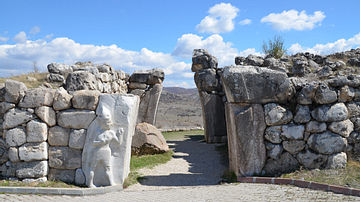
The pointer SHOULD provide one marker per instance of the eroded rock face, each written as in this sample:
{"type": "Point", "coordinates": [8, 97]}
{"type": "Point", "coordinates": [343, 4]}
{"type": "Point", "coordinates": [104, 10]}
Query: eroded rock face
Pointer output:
{"type": "Point", "coordinates": [315, 127]}
{"type": "Point", "coordinates": [249, 84]}
{"type": "Point", "coordinates": [16, 137]}
{"type": "Point", "coordinates": [148, 140]}
{"type": "Point", "coordinates": [202, 59]}
{"type": "Point", "coordinates": [62, 100]}
{"type": "Point", "coordinates": [272, 134]}
{"type": "Point", "coordinates": [14, 91]}
{"type": "Point", "coordinates": [15, 117]}
{"type": "Point", "coordinates": [81, 80]}
{"type": "Point", "coordinates": [285, 164]}
{"type": "Point", "coordinates": [75, 119]}
{"type": "Point", "coordinates": [36, 131]}
{"type": "Point", "coordinates": [343, 128]}
{"type": "Point", "coordinates": [311, 160]}
{"type": "Point", "coordinates": [63, 175]}
{"type": "Point", "coordinates": [34, 151]}
{"type": "Point", "coordinates": [149, 77]}
{"type": "Point", "coordinates": [327, 143]}
{"type": "Point", "coordinates": [59, 68]}
{"type": "Point", "coordinates": [64, 158]}
{"type": "Point", "coordinates": [276, 115]}
{"type": "Point", "coordinates": [149, 104]}
{"type": "Point", "coordinates": [33, 169]}
{"type": "Point", "coordinates": [330, 113]}
{"type": "Point", "coordinates": [337, 161]}
{"type": "Point", "coordinates": [46, 114]}
{"type": "Point", "coordinates": [37, 97]}
{"type": "Point", "coordinates": [292, 132]}
{"type": "Point", "coordinates": [85, 99]}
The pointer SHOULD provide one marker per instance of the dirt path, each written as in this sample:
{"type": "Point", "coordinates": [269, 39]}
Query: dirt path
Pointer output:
{"type": "Point", "coordinates": [194, 163]}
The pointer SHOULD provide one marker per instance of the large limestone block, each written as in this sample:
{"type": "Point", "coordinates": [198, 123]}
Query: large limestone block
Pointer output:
{"type": "Point", "coordinates": [37, 97]}
{"type": "Point", "coordinates": [15, 117]}
{"type": "Point", "coordinates": [59, 136]}
{"type": "Point", "coordinates": [276, 114]}
{"type": "Point", "coordinates": [85, 99]}
{"type": "Point", "coordinates": [62, 175]}
{"type": "Point", "coordinates": [46, 114]}
{"type": "Point", "coordinates": [14, 91]}
{"type": "Point", "coordinates": [77, 139]}
{"type": "Point", "coordinates": [75, 119]}
{"type": "Point", "coordinates": [81, 80]}
{"type": "Point", "coordinates": [246, 127]}
{"type": "Point", "coordinates": [207, 80]}
{"type": "Point", "coordinates": [311, 160]}
{"type": "Point", "coordinates": [324, 95]}
{"type": "Point", "coordinates": [330, 113]}
{"type": "Point", "coordinates": [5, 106]}
{"type": "Point", "coordinates": [107, 150]}
{"type": "Point", "coordinates": [79, 176]}
{"type": "Point", "coordinates": [36, 131]}
{"type": "Point", "coordinates": [15, 137]}
{"type": "Point", "coordinates": [149, 105]}
{"type": "Point", "coordinates": [202, 59]}
{"type": "Point", "coordinates": [64, 158]}
{"type": "Point", "coordinates": [285, 164]}
{"type": "Point", "coordinates": [255, 84]}
{"type": "Point", "coordinates": [343, 128]}
{"type": "Point", "coordinates": [337, 161]}
{"type": "Point", "coordinates": [59, 68]}
{"type": "Point", "coordinates": [62, 100]}
{"type": "Point", "coordinates": [213, 111]}
{"type": "Point", "coordinates": [149, 77]}
{"type": "Point", "coordinates": [327, 143]}
{"type": "Point", "coordinates": [148, 140]}
{"type": "Point", "coordinates": [33, 169]}
{"type": "Point", "coordinates": [33, 151]}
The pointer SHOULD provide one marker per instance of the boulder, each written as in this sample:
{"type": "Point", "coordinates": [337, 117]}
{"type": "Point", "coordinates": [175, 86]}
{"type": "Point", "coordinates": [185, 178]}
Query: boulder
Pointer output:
{"type": "Point", "coordinates": [62, 175]}
{"type": "Point", "coordinates": [302, 114]}
{"type": "Point", "coordinates": [79, 176]}
{"type": "Point", "coordinates": [81, 80]}
{"type": "Point", "coordinates": [353, 109]}
{"type": "Point", "coordinates": [343, 128]}
{"type": "Point", "coordinates": [14, 91]}
{"type": "Point", "coordinates": [55, 78]}
{"type": "Point", "coordinates": [149, 104]}
{"type": "Point", "coordinates": [254, 60]}
{"type": "Point", "coordinates": [202, 59]}
{"type": "Point", "coordinates": [33, 151]}
{"type": "Point", "coordinates": [59, 136]}
{"type": "Point", "coordinates": [311, 160]}
{"type": "Point", "coordinates": [148, 140]}
{"type": "Point", "coordinates": [46, 114]}
{"type": "Point", "coordinates": [37, 97]}
{"type": "Point", "coordinates": [324, 95]}
{"type": "Point", "coordinates": [276, 115]}
{"type": "Point", "coordinates": [315, 127]}
{"type": "Point", "coordinates": [292, 132]}
{"type": "Point", "coordinates": [59, 68]}
{"type": "Point", "coordinates": [85, 99]}
{"type": "Point", "coordinates": [15, 117]}
{"type": "Point", "coordinates": [62, 100]}
{"type": "Point", "coordinates": [105, 68]}
{"type": "Point", "coordinates": [75, 118]}
{"type": "Point", "coordinates": [5, 106]}
{"type": "Point", "coordinates": [337, 161]}
{"type": "Point", "coordinates": [36, 131]}
{"type": "Point", "coordinates": [307, 93]}
{"type": "Point", "coordinates": [13, 154]}
{"type": "Point", "coordinates": [64, 158]}
{"type": "Point", "coordinates": [77, 138]}
{"type": "Point", "coordinates": [33, 169]}
{"type": "Point", "coordinates": [354, 137]}
{"type": "Point", "coordinates": [346, 94]}
{"type": "Point", "coordinates": [272, 134]}
{"type": "Point", "coordinates": [251, 84]}
{"type": "Point", "coordinates": [157, 76]}
{"type": "Point", "coordinates": [206, 80]}
{"type": "Point", "coordinates": [293, 146]}
{"type": "Point", "coordinates": [104, 77]}
{"type": "Point", "coordinates": [327, 143]}
{"type": "Point", "coordinates": [91, 69]}
{"type": "Point", "coordinates": [136, 85]}
{"type": "Point", "coordinates": [274, 151]}
{"type": "Point", "coordinates": [5, 152]}
{"type": "Point", "coordinates": [16, 137]}
{"type": "Point", "coordinates": [285, 164]}
{"type": "Point", "coordinates": [330, 113]}
{"type": "Point", "coordinates": [245, 126]}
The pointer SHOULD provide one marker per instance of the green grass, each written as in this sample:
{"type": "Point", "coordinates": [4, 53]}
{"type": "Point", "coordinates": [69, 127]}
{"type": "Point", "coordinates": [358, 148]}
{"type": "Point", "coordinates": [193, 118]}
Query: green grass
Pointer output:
{"type": "Point", "coordinates": [184, 135]}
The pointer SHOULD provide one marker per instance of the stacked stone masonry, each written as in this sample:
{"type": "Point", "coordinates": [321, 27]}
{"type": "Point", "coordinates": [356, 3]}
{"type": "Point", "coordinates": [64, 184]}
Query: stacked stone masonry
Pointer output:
{"type": "Point", "coordinates": [283, 114]}
{"type": "Point", "coordinates": [43, 130]}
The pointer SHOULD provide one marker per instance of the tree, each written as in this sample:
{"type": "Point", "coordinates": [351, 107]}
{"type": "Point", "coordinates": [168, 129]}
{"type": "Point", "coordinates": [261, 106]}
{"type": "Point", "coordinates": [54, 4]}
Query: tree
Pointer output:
{"type": "Point", "coordinates": [36, 68]}
{"type": "Point", "coordinates": [274, 47]}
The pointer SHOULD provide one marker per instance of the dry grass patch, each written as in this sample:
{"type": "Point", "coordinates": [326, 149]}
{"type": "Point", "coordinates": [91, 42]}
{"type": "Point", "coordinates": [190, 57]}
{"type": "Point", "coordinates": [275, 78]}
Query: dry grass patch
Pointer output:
{"type": "Point", "coordinates": [51, 184]}
{"type": "Point", "coordinates": [40, 77]}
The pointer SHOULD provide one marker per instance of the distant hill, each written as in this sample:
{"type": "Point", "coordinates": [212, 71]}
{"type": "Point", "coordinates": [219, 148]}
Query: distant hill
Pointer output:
{"type": "Point", "coordinates": [181, 91]}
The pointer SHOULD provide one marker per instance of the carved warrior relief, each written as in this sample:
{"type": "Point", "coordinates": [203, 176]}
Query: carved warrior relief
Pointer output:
{"type": "Point", "coordinates": [107, 150]}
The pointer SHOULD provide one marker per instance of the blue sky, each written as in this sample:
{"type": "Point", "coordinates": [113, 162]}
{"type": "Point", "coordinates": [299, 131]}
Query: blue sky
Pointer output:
{"type": "Point", "coordinates": [132, 35]}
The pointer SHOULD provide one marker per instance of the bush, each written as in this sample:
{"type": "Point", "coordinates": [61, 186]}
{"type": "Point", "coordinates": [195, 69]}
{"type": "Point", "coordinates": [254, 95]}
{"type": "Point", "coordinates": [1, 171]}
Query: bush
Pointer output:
{"type": "Point", "coordinates": [274, 47]}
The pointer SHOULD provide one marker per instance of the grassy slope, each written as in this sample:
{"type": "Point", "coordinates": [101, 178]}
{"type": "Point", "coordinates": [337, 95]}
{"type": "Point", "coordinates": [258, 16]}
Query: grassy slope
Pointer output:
{"type": "Point", "coordinates": [41, 78]}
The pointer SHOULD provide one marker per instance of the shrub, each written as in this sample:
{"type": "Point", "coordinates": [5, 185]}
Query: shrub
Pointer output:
{"type": "Point", "coordinates": [274, 47]}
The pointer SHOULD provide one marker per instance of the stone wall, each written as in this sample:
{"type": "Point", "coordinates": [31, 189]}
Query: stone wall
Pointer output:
{"type": "Point", "coordinates": [300, 110]}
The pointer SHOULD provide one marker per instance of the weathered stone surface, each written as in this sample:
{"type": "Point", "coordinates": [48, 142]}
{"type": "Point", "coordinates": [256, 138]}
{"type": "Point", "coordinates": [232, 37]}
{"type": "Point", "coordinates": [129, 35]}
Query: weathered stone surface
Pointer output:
{"type": "Point", "coordinates": [85, 99]}
{"type": "Point", "coordinates": [136, 85]}
{"type": "Point", "coordinates": [246, 126]}
{"type": "Point", "coordinates": [55, 78]}
{"type": "Point", "coordinates": [292, 132]}
{"type": "Point", "coordinates": [294, 146]}
{"type": "Point", "coordinates": [213, 115]}
{"type": "Point", "coordinates": [75, 119]}
{"type": "Point", "coordinates": [36, 131]}
{"type": "Point", "coordinates": [254, 60]}
{"type": "Point", "coordinates": [2, 92]}
{"type": "Point", "coordinates": [255, 84]}
{"type": "Point", "coordinates": [327, 143]}
{"type": "Point", "coordinates": [14, 154]}
{"type": "Point", "coordinates": [111, 132]}
{"type": "Point", "coordinates": [354, 137]}
{"type": "Point", "coordinates": [302, 114]}
{"type": "Point", "coordinates": [307, 93]}
{"type": "Point", "coordinates": [62, 100]}
{"type": "Point", "coordinates": [4, 152]}
{"type": "Point", "coordinates": [31, 180]}
{"type": "Point", "coordinates": [15, 137]}
{"type": "Point", "coordinates": [337, 161]}
{"type": "Point", "coordinates": [33, 151]}
{"type": "Point", "coordinates": [59, 68]}
{"type": "Point", "coordinates": [77, 139]}
{"type": "Point", "coordinates": [346, 94]}
{"type": "Point", "coordinates": [274, 151]}
{"type": "Point", "coordinates": [324, 95]}
{"type": "Point", "coordinates": [202, 59]}
{"type": "Point", "coordinates": [149, 105]}
{"type": "Point", "coordinates": [276, 115]}
{"type": "Point", "coordinates": [353, 109]}
{"type": "Point", "coordinates": [64, 158]}
{"type": "Point", "coordinates": [330, 113]}
{"type": "Point", "coordinates": [63, 175]}
{"type": "Point", "coordinates": [157, 76]}
{"type": "Point", "coordinates": [285, 164]}
{"type": "Point", "coordinates": [37, 97]}
{"type": "Point", "coordinates": [206, 80]}
{"type": "Point", "coordinates": [272, 134]}
{"type": "Point", "coordinates": [315, 127]}
{"type": "Point", "coordinates": [81, 80]}
{"type": "Point", "coordinates": [14, 91]}
{"type": "Point", "coordinates": [91, 69]}
{"type": "Point", "coordinates": [343, 128]}
{"type": "Point", "coordinates": [79, 176]}
{"type": "Point", "coordinates": [32, 169]}
{"type": "Point", "coordinates": [15, 117]}
{"type": "Point", "coordinates": [311, 160]}
{"type": "Point", "coordinates": [46, 114]}
{"type": "Point", "coordinates": [138, 92]}
{"type": "Point", "coordinates": [148, 140]}
{"type": "Point", "coordinates": [5, 106]}
{"type": "Point", "coordinates": [58, 136]}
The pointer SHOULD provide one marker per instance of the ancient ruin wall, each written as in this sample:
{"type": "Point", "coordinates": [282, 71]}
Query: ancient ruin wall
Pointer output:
{"type": "Point", "coordinates": [300, 110]}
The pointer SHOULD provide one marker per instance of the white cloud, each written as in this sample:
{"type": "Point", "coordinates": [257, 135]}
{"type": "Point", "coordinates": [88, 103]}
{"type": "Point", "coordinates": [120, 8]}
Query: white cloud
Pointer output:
{"type": "Point", "coordinates": [20, 37]}
{"type": "Point", "coordinates": [35, 30]}
{"type": "Point", "coordinates": [4, 39]}
{"type": "Point", "coordinates": [329, 48]}
{"type": "Point", "coordinates": [292, 19]}
{"type": "Point", "coordinates": [219, 20]}
{"type": "Point", "coordinates": [245, 22]}
{"type": "Point", "coordinates": [188, 75]}
{"type": "Point", "coordinates": [49, 36]}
